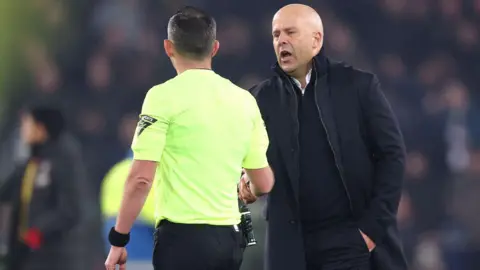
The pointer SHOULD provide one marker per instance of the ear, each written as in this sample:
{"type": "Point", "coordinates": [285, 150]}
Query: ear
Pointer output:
{"type": "Point", "coordinates": [169, 48]}
{"type": "Point", "coordinates": [216, 47]}
{"type": "Point", "coordinates": [317, 41]}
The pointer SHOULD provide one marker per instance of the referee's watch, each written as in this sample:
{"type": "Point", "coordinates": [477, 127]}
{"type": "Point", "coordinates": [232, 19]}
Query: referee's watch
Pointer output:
{"type": "Point", "coordinates": [117, 239]}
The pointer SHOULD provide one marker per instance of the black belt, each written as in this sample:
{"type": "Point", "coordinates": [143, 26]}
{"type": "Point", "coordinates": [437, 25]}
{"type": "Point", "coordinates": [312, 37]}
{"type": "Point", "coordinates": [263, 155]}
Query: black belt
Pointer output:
{"type": "Point", "coordinates": [167, 223]}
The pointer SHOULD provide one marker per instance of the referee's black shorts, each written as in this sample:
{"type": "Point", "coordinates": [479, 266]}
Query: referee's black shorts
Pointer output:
{"type": "Point", "coordinates": [196, 247]}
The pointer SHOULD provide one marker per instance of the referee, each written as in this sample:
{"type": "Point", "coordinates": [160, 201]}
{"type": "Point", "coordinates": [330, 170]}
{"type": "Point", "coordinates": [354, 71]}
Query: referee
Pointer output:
{"type": "Point", "coordinates": [196, 132]}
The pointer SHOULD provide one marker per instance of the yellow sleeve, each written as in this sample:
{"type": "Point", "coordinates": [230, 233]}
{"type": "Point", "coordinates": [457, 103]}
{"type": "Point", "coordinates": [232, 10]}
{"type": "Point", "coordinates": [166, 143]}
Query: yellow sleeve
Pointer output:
{"type": "Point", "coordinates": [149, 139]}
{"type": "Point", "coordinates": [257, 154]}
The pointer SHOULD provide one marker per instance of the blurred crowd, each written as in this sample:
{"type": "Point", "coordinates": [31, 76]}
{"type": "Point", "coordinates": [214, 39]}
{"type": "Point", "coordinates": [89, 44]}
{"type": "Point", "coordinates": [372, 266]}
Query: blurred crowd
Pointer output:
{"type": "Point", "coordinates": [97, 59]}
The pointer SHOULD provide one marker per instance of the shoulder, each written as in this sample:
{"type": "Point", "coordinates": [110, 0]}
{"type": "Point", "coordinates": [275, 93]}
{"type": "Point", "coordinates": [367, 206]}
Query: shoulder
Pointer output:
{"type": "Point", "coordinates": [158, 99]}
{"type": "Point", "coordinates": [357, 77]}
{"type": "Point", "coordinates": [65, 157]}
{"type": "Point", "coordinates": [160, 89]}
{"type": "Point", "coordinates": [235, 91]}
{"type": "Point", "coordinates": [266, 86]}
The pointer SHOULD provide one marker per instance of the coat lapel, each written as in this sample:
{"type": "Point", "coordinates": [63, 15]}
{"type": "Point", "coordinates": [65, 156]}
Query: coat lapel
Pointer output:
{"type": "Point", "coordinates": [325, 95]}
{"type": "Point", "coordinates": [288, 128]}
{"type": "Point", "coordinates": [330, 96]}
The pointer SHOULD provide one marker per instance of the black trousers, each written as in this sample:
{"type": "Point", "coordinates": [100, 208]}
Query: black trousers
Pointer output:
{"type": "Point", "coordinates": [341, 248]}
{"type": "Point", "coordinates": [196, 246]}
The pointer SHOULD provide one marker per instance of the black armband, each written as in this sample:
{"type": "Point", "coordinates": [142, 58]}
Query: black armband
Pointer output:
{"type": "Point", "coordinates": [117, 239]}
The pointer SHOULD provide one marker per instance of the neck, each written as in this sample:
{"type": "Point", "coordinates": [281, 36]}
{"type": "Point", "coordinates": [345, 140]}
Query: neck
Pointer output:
{"type": "Point", "coordinates": [182, 65]}
{"type": "Point", "coordinates": [300, 73]}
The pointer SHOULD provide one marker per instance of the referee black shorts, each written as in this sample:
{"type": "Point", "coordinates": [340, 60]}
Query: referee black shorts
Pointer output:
{"type": "Point", "coordinates": [197, 247]}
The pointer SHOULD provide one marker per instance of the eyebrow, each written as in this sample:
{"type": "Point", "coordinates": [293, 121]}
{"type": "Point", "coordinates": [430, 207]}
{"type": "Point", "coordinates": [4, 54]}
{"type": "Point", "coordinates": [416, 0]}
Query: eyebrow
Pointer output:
{"type": "Point", "coordinates": [284, 29]}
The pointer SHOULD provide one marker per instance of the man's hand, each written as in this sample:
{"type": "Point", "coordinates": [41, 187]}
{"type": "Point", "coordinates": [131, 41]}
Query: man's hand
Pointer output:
{"type": "Point", "coordinates": [244, 192]}
{"type": "Point", "coordinates": [117, 256]}
{"type": "Point", "coordinates": [370, 244]}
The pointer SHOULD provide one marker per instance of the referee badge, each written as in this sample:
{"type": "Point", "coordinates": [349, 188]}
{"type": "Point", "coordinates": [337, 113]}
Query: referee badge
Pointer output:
{"type": "Point", "coordinates": [145, 122]}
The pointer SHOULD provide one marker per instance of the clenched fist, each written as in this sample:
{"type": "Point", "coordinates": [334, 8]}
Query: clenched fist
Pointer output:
{"type": "Point", "coordinates": [117, 256]}
{"type": "Point", "coordinates": [244, 192]}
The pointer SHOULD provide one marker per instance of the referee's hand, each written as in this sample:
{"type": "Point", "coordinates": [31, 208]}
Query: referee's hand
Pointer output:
{"type": "Point", "coordinates": [117, 256]}
{"type": "Point", "coordinates": [244, 192]}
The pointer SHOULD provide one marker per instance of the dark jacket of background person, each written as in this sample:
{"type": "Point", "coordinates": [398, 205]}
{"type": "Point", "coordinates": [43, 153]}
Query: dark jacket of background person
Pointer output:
{"type": "Point", "coordinates": [54, 207]}
{"type": "Point", "coordinates": [369, 155]}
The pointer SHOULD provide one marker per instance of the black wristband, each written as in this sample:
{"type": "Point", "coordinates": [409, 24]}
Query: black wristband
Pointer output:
{"type": "Point", "coordinates": [118, 239]}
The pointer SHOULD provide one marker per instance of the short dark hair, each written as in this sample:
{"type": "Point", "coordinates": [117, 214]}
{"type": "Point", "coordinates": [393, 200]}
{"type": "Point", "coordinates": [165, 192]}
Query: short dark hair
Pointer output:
{"type": "Point", "coordinates": [193, 32]}
{"type": "Point", "coordinates": [51, 118]}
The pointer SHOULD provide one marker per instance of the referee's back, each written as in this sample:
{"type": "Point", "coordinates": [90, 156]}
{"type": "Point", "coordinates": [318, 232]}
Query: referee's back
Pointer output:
{"type": "Point", "coordinates": [201, 130]}
{"type": "Point", "coordinates": [205, 130]}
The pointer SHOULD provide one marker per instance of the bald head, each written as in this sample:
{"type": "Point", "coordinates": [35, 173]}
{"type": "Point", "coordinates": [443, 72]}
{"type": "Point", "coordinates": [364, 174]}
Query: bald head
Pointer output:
{"type": "Point", "coordinates": [301, 12]}
{"type": "Point", "coordinates": [297, 37]}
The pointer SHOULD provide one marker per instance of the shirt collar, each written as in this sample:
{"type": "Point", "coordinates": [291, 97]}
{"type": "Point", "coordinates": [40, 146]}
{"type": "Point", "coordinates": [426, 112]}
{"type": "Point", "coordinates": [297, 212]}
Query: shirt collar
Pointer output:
{"type": "Point", "coordinates": [307, 80]}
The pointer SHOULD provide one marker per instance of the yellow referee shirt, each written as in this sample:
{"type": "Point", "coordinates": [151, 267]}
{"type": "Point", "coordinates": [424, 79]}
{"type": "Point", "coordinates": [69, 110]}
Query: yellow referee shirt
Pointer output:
{"type": "Point", "coordinates": [202, 129]}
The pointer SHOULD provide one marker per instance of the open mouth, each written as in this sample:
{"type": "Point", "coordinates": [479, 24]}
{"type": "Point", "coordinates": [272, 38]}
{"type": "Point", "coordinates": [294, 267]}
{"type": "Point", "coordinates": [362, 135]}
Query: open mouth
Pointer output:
{"type": "Point", "coordinates": [285, 54]}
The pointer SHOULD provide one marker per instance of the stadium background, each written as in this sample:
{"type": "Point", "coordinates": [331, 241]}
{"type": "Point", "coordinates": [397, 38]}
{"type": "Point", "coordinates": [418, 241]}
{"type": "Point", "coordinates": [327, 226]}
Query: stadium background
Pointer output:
{"type": "Point", "coordinates": [97, 59]}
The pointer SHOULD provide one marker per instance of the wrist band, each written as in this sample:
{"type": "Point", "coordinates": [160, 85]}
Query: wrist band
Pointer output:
{"type": "Point", "coordinates": [118, 239]}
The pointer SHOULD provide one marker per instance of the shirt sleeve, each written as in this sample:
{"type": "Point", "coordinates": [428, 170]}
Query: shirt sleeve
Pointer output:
{"type": "Point", "coordinates": [150, 135]}
{"type": "Point", "coordinates": [257, 154]}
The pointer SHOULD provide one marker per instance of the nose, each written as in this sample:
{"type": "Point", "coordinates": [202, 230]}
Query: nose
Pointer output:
{"type": "Point", "coordinates": [282, 39]}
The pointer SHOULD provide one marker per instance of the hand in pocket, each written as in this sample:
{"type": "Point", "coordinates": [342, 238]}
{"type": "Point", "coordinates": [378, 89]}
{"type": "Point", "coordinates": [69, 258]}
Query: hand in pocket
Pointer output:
{"type": "Point", "coordinates": [369, 242]}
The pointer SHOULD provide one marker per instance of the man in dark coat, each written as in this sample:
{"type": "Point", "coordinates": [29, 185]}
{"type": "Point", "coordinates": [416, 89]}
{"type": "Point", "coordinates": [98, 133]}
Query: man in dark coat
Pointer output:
{"type": "Point", "coordinates": [43, 194]}
{"type": "Point", "coordinates": [337, 154]}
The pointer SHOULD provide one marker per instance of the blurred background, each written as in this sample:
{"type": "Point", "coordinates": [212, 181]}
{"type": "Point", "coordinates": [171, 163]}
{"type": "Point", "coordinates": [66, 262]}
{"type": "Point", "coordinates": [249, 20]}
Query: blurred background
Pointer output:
{"type": "Point", "coordinates": [97, 59]}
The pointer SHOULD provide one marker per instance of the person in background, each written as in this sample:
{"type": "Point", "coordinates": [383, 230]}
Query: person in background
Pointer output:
{"type": "Point", "coordinates": [337, 153]}
{"type": "Point", "coordinates": [141, 246]}
{"type": "Point", "coordinates": [43, 194]}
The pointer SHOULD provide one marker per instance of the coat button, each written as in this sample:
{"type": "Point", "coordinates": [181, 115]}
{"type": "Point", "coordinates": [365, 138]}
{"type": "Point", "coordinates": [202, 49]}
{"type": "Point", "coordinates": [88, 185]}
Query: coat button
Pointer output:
{"type": "Point", "coordinates": [292, 221]}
